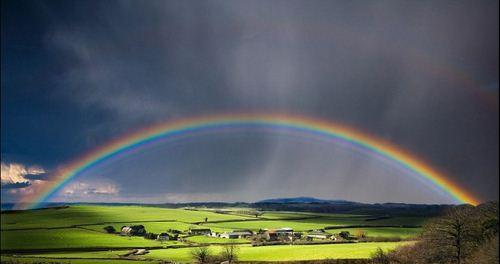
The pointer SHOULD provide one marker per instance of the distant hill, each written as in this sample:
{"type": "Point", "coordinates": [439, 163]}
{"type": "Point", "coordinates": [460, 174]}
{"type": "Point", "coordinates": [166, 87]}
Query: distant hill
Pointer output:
{"type": "Point", "coordinates": [299, 204]}
{"type": "Point", "coordinates": [304, 200]}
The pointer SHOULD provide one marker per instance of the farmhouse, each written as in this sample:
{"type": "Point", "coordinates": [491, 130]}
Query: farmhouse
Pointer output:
{"type": "Point", "coordinates": [270, 235]}
{"type": "Point", "coordinates": [126, 231]}
{"type": "Point", "coordinates": [237, 234]}
{"type": "Point", "coordinates": [297, 235]}
{"type": "Point", "coordinates": [230, 235]}
{"type": "Point", "coordinates": [244, 233]}
{"type": "Point", "coordinates": [318, 235]}
{"type": "Point", "coordinates": [200, 231]}
{"type": "Point", "coordinates": [136, 230]}
{"type": "Point", "coordinates": [163, 237]}
{"type": "Point", "coordinates": [285, 231]}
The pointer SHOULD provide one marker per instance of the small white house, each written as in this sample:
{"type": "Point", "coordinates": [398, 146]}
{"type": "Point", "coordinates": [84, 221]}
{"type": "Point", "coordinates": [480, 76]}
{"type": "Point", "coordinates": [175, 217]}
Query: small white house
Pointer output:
{"type": "Point", "coordinates": [200, 231]}
{"type": "Point", "coordinates": [318, 235]}
{"type": "Point", "coordinates": [126, 230]}
{"type": "Point", "coordinates": [236, 234]}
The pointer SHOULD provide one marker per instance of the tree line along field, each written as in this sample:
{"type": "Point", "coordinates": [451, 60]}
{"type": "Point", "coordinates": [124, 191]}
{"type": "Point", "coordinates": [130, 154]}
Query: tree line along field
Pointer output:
{"type": "Point", "coordinates": [77, 234]}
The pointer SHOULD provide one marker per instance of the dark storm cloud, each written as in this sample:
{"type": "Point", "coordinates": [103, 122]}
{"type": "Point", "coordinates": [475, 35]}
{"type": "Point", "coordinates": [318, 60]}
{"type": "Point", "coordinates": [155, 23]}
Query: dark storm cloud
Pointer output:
{"type": "Point", "coordinates": [423, 75]}
{"type": "Point", "coordinates": [16, 185]}
{"type": "Point", "coordinates": [37, 176]}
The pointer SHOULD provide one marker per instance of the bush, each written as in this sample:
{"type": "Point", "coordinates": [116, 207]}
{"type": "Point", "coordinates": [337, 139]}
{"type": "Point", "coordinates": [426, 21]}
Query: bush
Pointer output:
{"type": "Point", "coordinates": [379, 257]}
{"type": "Point", "coordinates": [138, 230]}
{"type": "Point", "coordinates": [151, 236]}
{"type": "Point", "coordinates": [345, 234]}
{"type": "Point", "coordinates": [110, 229]}
{"type": "Point", "coordinates": [360, 233]}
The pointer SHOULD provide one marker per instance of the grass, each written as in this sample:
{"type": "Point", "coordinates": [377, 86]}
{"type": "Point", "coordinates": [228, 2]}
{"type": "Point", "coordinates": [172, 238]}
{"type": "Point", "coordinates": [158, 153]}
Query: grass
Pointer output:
{"type": "Point", "coordinates": [77, 232]}
{"type": "Point", "coordinates": [284, 253]}
{"type": "Point", "coordinates": [383, 231]}
{"type": "Point", "coordinates": [68, 238]}
{"type": "Point", "coordinates": [154, 227]}
{"type": "Point", "coordinates": [215, 240]}
{"type": "Point", "coordinates": [400, 220]}
{"type": "Point", "coordinates": [36, 260]}
{"type": "Point", "coordinates": [249, 253]}
{"type": "Point", "coordinates": [81, 215]}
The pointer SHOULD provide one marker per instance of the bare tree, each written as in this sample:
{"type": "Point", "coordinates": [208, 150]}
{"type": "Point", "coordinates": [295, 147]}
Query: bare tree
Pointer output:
{"type": "Point", "coordinates": [201, 254]}
{"type": "Point", "coordinates": [463, 235]}
{"type": "Point", "coordinates": [487, 253]}
{"type": "Point", "coordinates": [230, 253]}
{"type": "Point", "coordinates": [360, 233]}
{"type": "Point", "coordinates": [452, 237]}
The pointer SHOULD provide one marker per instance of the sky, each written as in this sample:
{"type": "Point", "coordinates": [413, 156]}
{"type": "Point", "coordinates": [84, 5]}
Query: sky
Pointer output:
{"type": "Point", "coordinates": [422, 75]}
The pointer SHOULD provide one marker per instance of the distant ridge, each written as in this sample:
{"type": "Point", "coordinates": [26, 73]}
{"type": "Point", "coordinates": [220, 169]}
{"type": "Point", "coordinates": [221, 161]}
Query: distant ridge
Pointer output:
{"type": "Point", "coordinates": [304, 200]}
{"type": "Point", "coordinates": [299, 204]}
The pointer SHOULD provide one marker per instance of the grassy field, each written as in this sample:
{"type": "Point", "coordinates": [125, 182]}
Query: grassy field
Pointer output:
{"type": "Point", "coordinates": [37, 260]}
{"type": "Point", "coordinates": [283, 253]}
{"type": "Point", "coordinates": [68, 238]}
{"type": "Point", "coordinates": [214, 240]}
{"type": "Point", "coordinates": [81, 215]}
{"type": "Point", "coordinates": [385, 231]}
{"type": "Point", "coordinates": [76, 233]}
{"type": "Point", "coordinates": [248, 253]}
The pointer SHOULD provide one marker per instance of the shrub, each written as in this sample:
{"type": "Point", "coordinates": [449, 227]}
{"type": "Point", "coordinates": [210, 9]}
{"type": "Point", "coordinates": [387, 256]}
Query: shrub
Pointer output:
{"type": "Point", "coordinates": [110, 229]}
{"type": "Point", "coordinates": [360, 233]}
{"type": "Point", "coordinates": [379, 257]}
{"type": "Point", "coordinates": [345, 234]}
{"type": "Point", "coordinates": [151, 236]}
{"type": "Point", "coordinates": [138, 230]}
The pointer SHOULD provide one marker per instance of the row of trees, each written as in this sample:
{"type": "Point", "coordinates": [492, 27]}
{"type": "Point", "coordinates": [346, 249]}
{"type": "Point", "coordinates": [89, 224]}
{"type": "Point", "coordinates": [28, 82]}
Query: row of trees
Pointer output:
{"type": "Point", "coordinates": [463, 235]}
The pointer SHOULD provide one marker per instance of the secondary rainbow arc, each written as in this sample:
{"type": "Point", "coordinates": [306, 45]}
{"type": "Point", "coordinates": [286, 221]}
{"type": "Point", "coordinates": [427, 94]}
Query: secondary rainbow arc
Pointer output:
{"type": "Point", "coordinates": [189, 125]}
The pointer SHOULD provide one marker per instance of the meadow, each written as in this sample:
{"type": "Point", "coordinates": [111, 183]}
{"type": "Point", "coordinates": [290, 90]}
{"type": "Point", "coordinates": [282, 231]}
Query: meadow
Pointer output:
{"type": "Point", "coordinates": [77, 234]}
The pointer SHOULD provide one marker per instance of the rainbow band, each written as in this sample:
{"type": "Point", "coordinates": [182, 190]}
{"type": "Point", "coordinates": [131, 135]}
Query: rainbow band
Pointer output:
{"type": "Point", "coordinates": [303, 124]}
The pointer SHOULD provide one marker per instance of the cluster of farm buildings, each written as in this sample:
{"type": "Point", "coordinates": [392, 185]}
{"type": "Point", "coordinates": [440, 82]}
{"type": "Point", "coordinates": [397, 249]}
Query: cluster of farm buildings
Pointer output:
{"type": "Point", "coordinates": [281, 234]}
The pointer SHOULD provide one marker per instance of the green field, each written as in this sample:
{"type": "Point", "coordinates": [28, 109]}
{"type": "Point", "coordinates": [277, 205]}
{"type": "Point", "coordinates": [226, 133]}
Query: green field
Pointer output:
{"type": "Point", "coordinates": [81, 215]}
{"type": "Point", "coordinates": [249, 253]}
{"type": "Point", "coordinates": [76, 233]}
{"type": "Point", "coordinates": [68, 238]}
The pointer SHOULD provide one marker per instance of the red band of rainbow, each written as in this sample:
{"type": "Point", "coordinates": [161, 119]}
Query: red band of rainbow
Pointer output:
{"type": "Point", "coordinates": [185, 126]}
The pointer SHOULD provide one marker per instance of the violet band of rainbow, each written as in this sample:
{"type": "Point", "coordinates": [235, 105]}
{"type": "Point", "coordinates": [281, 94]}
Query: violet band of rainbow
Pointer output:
{"type": "Point", "coordinates": [161, 131]}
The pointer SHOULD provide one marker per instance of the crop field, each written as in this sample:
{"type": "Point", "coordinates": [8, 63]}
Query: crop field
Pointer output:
{"type": "Point", "coordinates": [76, 234]}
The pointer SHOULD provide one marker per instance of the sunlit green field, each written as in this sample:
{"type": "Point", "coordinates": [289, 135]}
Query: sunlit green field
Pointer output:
{"type": "Point", "coordinates": [277, 253]}
{"type": "Point", "coordinates": [76, 232]}
{"type": "Point", "coordinates": [155, 227]}
{"type": "Point", "coordinates": [249, 253]}
{"type": "Point", "coordinates": [384, 231]}
{"type": "Point", "coordinates": [80, 215]}
{"type": "Point", "coordinates": [68, 238]}
{"type": "Point", "coordinates": [37, 260]}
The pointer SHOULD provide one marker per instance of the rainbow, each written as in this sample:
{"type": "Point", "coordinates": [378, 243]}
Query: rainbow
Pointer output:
{"type": "Point", "coordinates": [188, 126]}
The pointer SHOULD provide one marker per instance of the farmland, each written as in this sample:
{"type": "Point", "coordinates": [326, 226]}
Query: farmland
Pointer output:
{"type": "Point", "coordinates": [76, 234]}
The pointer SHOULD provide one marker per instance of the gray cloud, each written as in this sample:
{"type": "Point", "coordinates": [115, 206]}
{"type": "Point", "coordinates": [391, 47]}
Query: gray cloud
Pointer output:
{"type": "Point", "coordinates": [16, 185]}
{"type": "Point", "coordinates": [37, 176]}
{"type": "Point", "coordinates": [412, 73]}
